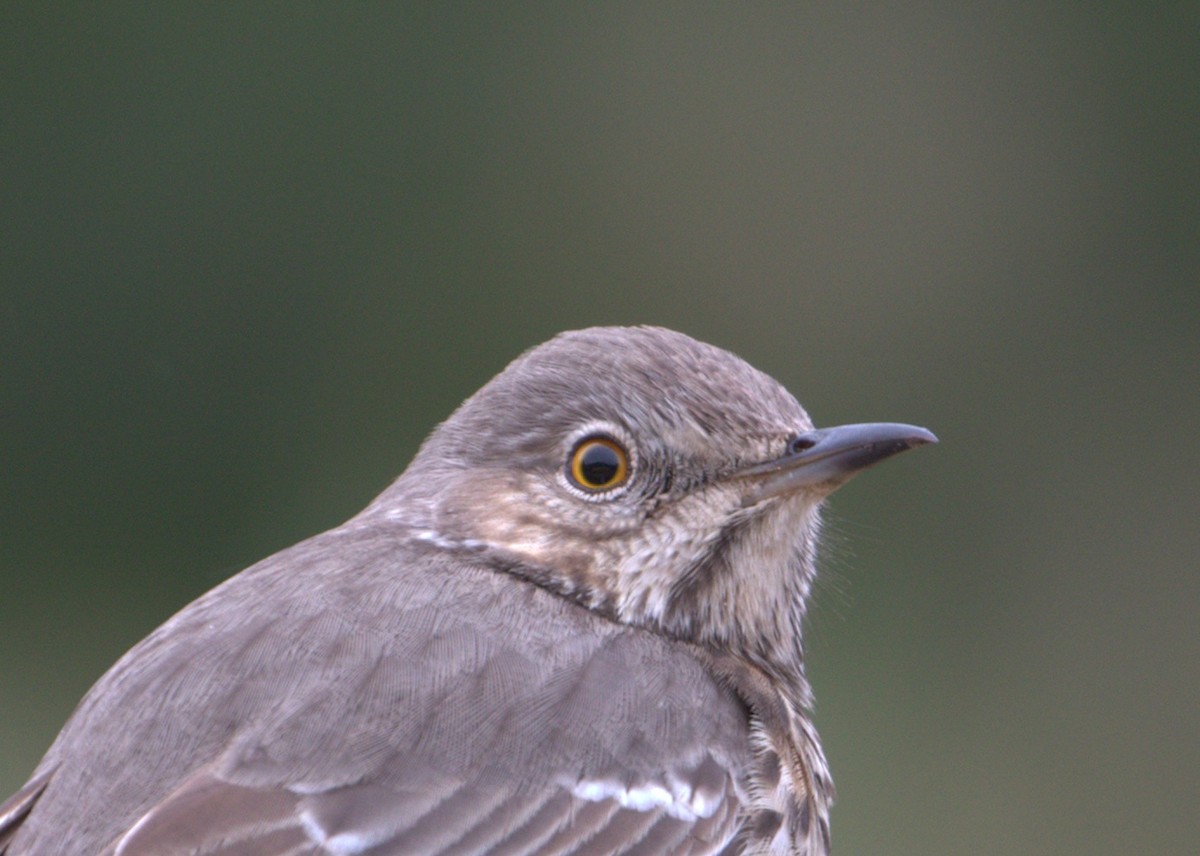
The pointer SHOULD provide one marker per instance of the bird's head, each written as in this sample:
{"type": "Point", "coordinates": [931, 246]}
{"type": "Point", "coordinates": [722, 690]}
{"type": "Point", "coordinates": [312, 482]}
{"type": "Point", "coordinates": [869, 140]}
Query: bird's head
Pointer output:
{"type": "Point", "coordinates": [653, 478]}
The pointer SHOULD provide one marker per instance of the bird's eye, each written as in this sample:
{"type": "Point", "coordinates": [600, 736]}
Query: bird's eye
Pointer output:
{"type": "Point", "coordinates": [598, 463]}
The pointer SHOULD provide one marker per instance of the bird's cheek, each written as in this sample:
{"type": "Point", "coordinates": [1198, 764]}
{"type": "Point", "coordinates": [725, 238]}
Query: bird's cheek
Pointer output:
{"type": "Point", "coordinates": [495, 513]}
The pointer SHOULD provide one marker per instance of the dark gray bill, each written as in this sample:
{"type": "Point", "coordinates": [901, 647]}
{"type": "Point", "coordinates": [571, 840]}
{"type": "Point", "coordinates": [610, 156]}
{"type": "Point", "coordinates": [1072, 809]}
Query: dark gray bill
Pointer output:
{"type": "Point", "coordinates": [828, 457]}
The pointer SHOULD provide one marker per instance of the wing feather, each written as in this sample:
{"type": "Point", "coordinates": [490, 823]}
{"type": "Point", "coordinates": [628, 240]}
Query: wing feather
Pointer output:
{"type": "Point", "coordinates": [207, 816]}
{"type": "Point", "coordinates": [14, 809]}
{"type": "Point", "coordinates": [355, 707]}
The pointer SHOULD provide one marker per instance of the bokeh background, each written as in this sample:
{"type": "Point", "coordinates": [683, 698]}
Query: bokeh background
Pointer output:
{"type": "Point", "coordinates": [250, 255]}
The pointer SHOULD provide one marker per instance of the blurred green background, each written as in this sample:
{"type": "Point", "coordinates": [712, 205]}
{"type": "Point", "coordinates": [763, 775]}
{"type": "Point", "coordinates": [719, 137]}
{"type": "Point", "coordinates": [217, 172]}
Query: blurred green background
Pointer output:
{"type": "Point", "coordinates": [251, 255]}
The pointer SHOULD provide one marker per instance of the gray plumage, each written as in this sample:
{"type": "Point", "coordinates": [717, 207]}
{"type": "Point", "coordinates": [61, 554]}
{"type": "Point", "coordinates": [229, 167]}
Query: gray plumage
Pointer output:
{"type": "Point", "coordinates": [495, 657]}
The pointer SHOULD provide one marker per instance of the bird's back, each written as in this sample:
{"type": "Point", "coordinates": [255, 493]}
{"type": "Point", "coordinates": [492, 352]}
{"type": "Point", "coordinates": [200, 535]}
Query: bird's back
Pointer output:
{"type": "Point", "coordinates": [358, 662]}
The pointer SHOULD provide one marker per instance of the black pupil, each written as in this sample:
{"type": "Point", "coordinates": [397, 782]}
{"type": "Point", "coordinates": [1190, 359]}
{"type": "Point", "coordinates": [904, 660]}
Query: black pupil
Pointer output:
{"type": "Point", "coordinates": [599, 465]}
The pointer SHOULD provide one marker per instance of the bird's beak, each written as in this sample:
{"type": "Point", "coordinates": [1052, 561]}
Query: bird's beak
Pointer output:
{"type": "Point", "coordinates": [824, 459]}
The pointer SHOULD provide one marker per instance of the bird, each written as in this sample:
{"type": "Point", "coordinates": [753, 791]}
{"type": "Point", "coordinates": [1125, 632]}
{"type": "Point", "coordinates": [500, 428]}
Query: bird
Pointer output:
{"type": "Point", "coordinates": [572, 625]}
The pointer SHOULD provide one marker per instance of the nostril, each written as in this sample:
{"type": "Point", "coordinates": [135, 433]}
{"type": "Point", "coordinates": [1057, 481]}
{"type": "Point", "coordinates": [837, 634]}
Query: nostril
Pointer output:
{"type": "Point", "coordinates": [799, 444]}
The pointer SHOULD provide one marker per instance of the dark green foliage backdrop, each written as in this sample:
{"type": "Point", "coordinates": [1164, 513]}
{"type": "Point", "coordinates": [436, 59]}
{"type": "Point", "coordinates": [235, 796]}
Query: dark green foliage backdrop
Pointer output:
{"type": "Point", "coordinates": [250, 256]}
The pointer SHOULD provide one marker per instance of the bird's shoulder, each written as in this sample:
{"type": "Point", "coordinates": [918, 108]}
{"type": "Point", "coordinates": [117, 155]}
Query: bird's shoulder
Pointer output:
{"type": "Point", "coordinates": [370, 673]}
